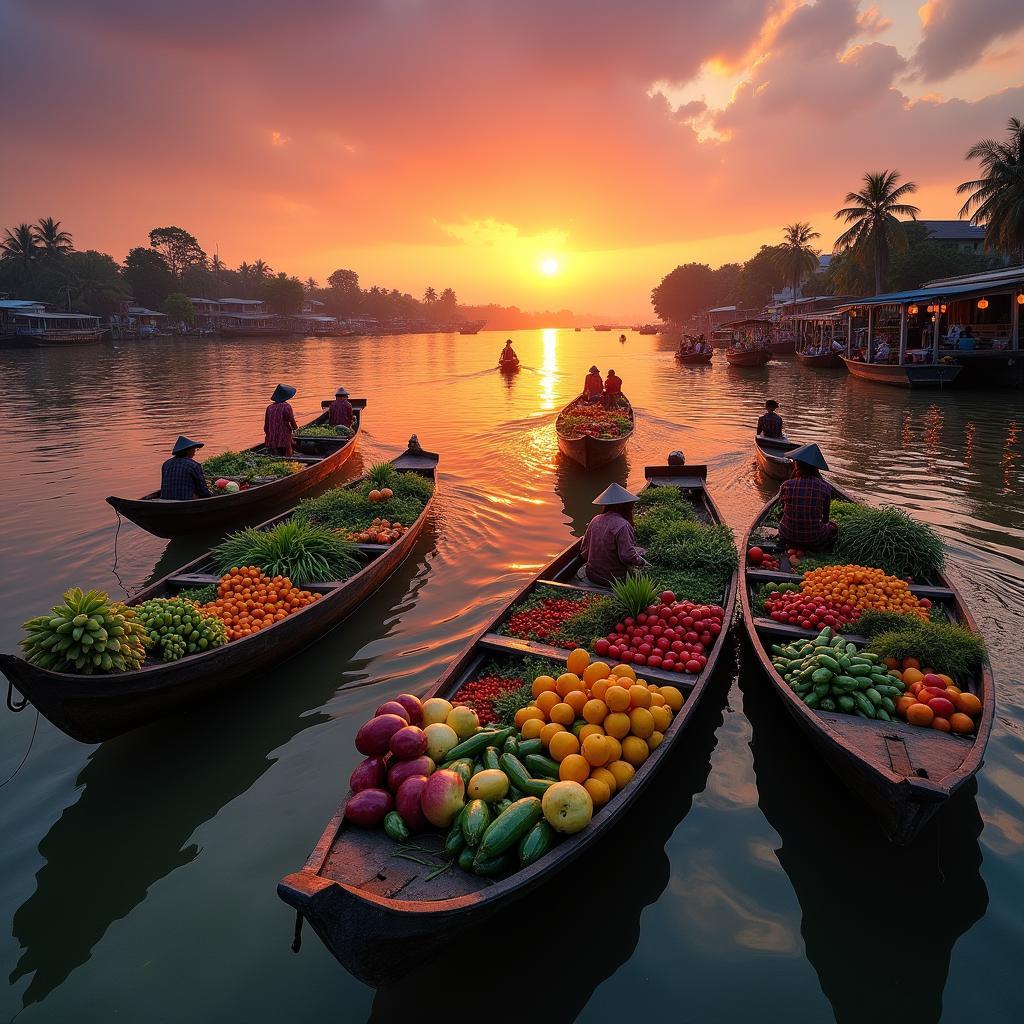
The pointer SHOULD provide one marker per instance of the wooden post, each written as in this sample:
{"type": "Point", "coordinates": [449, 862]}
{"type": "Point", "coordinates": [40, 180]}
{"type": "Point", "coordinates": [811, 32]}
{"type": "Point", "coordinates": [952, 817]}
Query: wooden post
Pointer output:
{"type": "Point", "coordinates": [936, 332]}
{"type": "Point", "coordinates": [903, 333]}
{"type": "Point", "coordinates": [1015, 321]}
{"type": "Point", "coordinates": [849, 335]}
{"type": "Point", "coordinates": [871, 334]}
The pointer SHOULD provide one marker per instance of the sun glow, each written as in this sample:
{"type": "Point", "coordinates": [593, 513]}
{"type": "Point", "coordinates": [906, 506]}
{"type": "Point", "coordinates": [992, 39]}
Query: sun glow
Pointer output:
{"type": "Point", "coordinates": [549, 266]}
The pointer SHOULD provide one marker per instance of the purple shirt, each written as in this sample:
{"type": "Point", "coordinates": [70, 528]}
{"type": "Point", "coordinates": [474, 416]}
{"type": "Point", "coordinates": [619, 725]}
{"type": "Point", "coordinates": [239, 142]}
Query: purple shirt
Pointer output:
{"type": "Point", "coordinates": [340, 413]}
{"type": "Point", "coordinates": [278, 424]}
{"type": "Point", "coordinates": [610, 548]}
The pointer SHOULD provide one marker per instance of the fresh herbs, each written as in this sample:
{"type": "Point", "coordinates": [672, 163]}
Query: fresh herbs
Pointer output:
{"type": "Point", "coordinates": [324, 430]}
{"type": "Point", "coordinates": [699, 586]}
{"type": "Point", "coordinates": [951, 649]}
{"type": "Point", "coordinates": [381, 474]}
{"type": "Point", "coordinates": [887, 538]}
{"type": "Point", "coordinates": [247, 466]}
{"type": "Point", "coordinates": [199, 595]}
{"type": "Point", "coordinates": [296, 549]}
{"type": "Point", "coordinates": [349, 508]}
{"type": "Point", "coordinates": [872, 623]}
{"type": "Point", "coordinates": [634, 593]}
{"type": "Point", "coordinates": [596, 620]}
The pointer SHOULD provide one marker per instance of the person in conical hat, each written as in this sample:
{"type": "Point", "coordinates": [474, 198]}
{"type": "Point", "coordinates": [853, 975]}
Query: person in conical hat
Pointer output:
{"type": "Point", "coordinates": [340, 412]}
{"type": "Point", "coordinates": [806, 502]}
{"type": "Point", "coordinates": [593, 386]}
{"type": "Point", "coordinates": [279, 421]}
{"type": "Point", "coordinates": [609, 547]}
{"type": "Point", "coordinates": [181, 477]}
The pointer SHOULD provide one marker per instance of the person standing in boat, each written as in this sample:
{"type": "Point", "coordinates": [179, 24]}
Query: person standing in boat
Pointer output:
{"type": "Point", "coordinates": [593, 387]}
{"type": "Point", "coordinates": [508, 353]}
{"type": "Point", "coordinates": [770, 424]}
{"type": "Point", "coordinates": [340, 412]}
{"type": "Point", "coordinates": [279, 421]}
{"type": "Point", "coordinates": [612, 388]}
{"type": "Point", "coordinates": [806, 502]}
{"type": "Point", "coordinates": [609, 547]}
{"type": "Point", "coordinates": [181, 477]}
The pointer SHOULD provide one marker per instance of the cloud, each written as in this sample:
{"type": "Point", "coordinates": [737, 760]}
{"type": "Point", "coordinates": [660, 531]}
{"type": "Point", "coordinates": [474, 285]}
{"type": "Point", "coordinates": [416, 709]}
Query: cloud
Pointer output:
{"type": "Point", "coordinates": [956, 33]}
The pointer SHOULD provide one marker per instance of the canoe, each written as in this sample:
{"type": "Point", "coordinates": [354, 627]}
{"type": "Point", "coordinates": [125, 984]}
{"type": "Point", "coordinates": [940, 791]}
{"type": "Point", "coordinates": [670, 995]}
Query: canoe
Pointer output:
{"type": "Point", "coordinates": [370, 908]}
{"type": "Point", "coordinates": [770, 453]}
{"type": "Point", "coordinates": [782, 348]}
{"type": "Point", "coordinates": [909, 375]}
{"type": "Point", "coordinates": [751, 357]}
{"type": "Point", "coordinates": [823, 361]}
{"type": "Point", "coordinates": [321, 457]}
{"type": "Point", "coordinates": [593, 451]}
{"type": "Point", "coordinates": [904, 773]}
{"type": "Point", "coordinates": [508, 365]}
{"type": "Point", "coordinates": [694, 358]}
{"type": "Point", "coordinates": [98, 707]}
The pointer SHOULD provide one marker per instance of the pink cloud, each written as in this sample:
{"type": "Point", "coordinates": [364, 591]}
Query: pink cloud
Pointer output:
{"type": "Point", "coordinates": [956, 33]}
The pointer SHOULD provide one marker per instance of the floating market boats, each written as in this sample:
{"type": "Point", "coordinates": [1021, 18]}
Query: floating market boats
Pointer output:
{"type": "Point", "coordinates": [321, 457]}
{"type": "Point", "coordinates": [782, 346]}
{"type": "Point", "coordinates": [770, 453]}
{"type": "Point", "coordinates": [905, 375]}
{"type": "Point", "coordinates": [364, 902]}
{"type": "Point", "coordinates": [584, 448]}
{"type": "Point", "coordinates": [747, 357]}
{"type": "Point", "coordinates": [904, 773]}
{"type": "Point", "coordinates": [94, 708]}
{"type": "Point", "coordinates": [823, 360]}
{"type": "Point", "coordinates": [694, 358]}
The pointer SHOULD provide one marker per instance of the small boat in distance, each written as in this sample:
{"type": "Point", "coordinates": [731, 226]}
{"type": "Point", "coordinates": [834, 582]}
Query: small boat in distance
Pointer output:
{"type": "Point", "coordinates": [591, 451]}
{"type": "Point", "coordinates": [694, 358]}
{"type": "Point", "coordinates": [648, 329]}
{"type": "Point", "coordinates": [471, 326]}
{"type": "Point", "coordinates": [770, 453]}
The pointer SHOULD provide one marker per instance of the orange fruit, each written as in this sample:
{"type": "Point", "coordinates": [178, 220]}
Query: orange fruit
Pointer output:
{"type": "Point", "coordinates": [567, 682]}
{"type": "Point", "coordinates": [920, 714]}
{"type": "Point", "coordinates": [662, 717]}
{"type": "Point", "coordinates": [532, 728]}
{"type": "Point", "coordinates": [562, 713]}
{"type": "Point", "coordinates": [942, 724]}
{"type": "Point", "coordinates": [616, 747]}
{"type": "Point", "coordinates": [624, 670]}
{"type": "Point", "coordinates": [605, 776]}
{"type": "Point", "coordinates": [617, 698]}
{"type": "Point", "coordinates": [549, 730]}
{"type": "Point", "coordinates": [574, 768]}
{"type": "Point", "coordinates": [890, 663]}
{"type": "Point", "coordinates": [910, 663]}
{"type": "Point", "coordinates": [589, 730]}
{"type": "Point", "coordinates": [968, 703]}
{"type": "Point", "coordinates": [641, 723]}
{"type": "Point", "coordinates": [600, 792]}
{"type": "Point", "coordinates": [912, 674]}
{"type": "Point", "coordinates": [657, 699]}
{"type": "Point", "coordinates": [904, 702]}
{"type": "Point", "coordinates": [577, 661]}
{"type": "Point", "coordinates": [523, 715]}
{"type": "Point", "coordinates": [597, 750]}
{"type": "Point", "coordinates": [595, 711]}
{"type": "Point", "coordinates": [639, 696]}
{"type": "Point", "coordinates": [562, 745]}
{"type": "Point", "coordinates": [576, 699]}
{"type": "Point", "coordinates": [600, 688]}
{"type": "Point", "coordinates": [635, 751]}
{"type": "Point", "coordinates": [673, 697]}
{"type": "Point", "coordinates": [595, 671]}
{"type": "Point", "coordinates": [617, 724]}
{"type": "Point", "coordinates": [916, 688]}
{"type": "Point", "coordinates": [542, 683]}
{"type": "Point", "coordinates": [655, 740]}
{"type": "Point", "coordinates": [546, 701]}
{"type": "Point", "coordinates": [961, 724]}
{"type": "Point", "coordinates": [622, 772]}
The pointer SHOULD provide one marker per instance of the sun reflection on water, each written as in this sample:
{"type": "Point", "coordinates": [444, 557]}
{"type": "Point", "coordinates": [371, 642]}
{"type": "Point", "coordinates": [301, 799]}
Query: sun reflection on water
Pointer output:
{"type": "Point", "coordinates": [548, 368]}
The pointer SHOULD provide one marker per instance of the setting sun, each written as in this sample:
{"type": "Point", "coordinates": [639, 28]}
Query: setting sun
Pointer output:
{"type": "Point", "coordinates": [549, 266]}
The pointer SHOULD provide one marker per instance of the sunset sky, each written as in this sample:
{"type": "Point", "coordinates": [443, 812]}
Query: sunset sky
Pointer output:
{"type": "Point", "coordinates": [466, 142]}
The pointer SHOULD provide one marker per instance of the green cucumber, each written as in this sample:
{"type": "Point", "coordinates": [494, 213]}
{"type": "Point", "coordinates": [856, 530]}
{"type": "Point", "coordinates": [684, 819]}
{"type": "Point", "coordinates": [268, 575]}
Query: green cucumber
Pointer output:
{"type": "Point", "coordinates": [476, 744]}
{"type": "Point", "coordinates": [811, 700]}
{"type": "Point", "coordinates": [846, 702]}
{"type": "Point", "coordinates": [541, 765]}
{"type": "Point", "coordinates": [882, 714]}
{"type": "Point", "coordinates": [530, 747]}
{"type": "Point", "coordinates": [827, 704]}
{"type": "Point", "coordinates": [511, 746]}
{"type": "Point", "coordinates": [822, 689]}
{"type": "Point", "coordinates": [463, 767]}
{"type": "Point", "coordinates": [830, 663]}
{"type": "Point", "coordinates": [455, 841]}
{"type": "Point", "coordinates": [858, 670]}
{"type": "Point", "coordinates": [874, 696]}
{"type": "Point", "coordinates": [864, 705]}
{"type": "Point", "coordinates": [395, 827]}
{"type": "Point", "coordinates": [502, 805]}
{"type": "Point", "coordinates": [490, 866]}
{"type": "Point", "coordinates": [536, 843]}
{"type": "Point", "coordinates": [519, 777]}
{"type": "Point", "coordinates": [475, 822]}
{"type": "Point", "coordinates": [847, 682]}
{"type": "Point", "coordinates": [888, 705]}
{"type": "Point", "coordinates": [466, 858]}
{"type": "Point", "coordinates": [491, 758]}
{"type": "Point", "coordinates": [508, 829]}
{"type": "Point", "coordinates": [821, 675]}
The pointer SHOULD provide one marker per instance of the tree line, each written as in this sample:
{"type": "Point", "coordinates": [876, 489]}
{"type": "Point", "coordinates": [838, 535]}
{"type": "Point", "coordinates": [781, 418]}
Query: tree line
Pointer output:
{"type": "Point", "coordinates": [881, 249]}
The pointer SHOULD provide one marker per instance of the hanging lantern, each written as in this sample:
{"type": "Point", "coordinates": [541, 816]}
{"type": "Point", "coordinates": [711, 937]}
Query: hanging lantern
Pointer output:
{"type": "Point", "coordinates": [942, 308]}
{"type": "Point", "coordinates": [912, 310]}
{"type": "Point", "coordinates": [1020, 298]}
{"type": "Point", "coordinates": [982, 303]}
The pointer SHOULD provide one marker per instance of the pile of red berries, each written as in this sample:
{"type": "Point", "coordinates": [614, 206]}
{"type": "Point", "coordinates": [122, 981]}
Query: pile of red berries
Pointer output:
{"type": "Point", "coordinates": [546, 618]}
{"type": "Point", "coordinates": [673, 635]}
{"type": "Point", "coordinates": [796, 609]}
{"type": "Point", "coordinates": [479, 694]}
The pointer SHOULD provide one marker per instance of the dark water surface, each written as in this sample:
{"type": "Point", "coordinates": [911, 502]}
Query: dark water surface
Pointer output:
{"type": "Point", "coordinates": [139, 875]}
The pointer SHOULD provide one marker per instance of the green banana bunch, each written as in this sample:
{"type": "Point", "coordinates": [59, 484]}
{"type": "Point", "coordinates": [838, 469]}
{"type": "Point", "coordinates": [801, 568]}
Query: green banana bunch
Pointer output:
{"type": "Point", "coordinates": [178, 627]}
{"type": "Point", "coordinates": [87, 633]}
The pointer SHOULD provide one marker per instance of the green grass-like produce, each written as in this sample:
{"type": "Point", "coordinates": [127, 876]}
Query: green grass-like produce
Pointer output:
{"type": "Point", "coordinates": [691, 546]}
{"type": "Point", "coordinates": [302, 552]}
{"type": "Point", "coordinates": [951, 649]}
{"type": "Point", "coordinates": [888, 538]}
{"type": "Point", "coordinates": [592, 623]}
{"type": "Point", "coordinates": [349, 508]}
{"type": "Point", "coordinates": [634, 592]}
{"type": "Point", "coordinates": [246, 466]}
{"type": "Point", "coordinates": [701, 587]}
{"type": "Point", "coordinates": [324, 430]}
{"type": "Point", "coordinates": [872, 623]}
{"type": "Point", "coordinates": [199, 595]}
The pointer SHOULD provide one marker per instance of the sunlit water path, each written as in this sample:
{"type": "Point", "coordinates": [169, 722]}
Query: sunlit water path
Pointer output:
{"type": "Point", "coordinates": [139, 875]}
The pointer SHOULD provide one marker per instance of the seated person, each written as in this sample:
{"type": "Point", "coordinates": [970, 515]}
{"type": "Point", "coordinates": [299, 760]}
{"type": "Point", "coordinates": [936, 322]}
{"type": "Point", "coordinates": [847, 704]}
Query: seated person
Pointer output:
{"type": "Point", "coordinates": [806, 502]}
{"type": "Point", "coordinates": [612, 388]}
{"type": "Point", "coordinates": [181, 477]}
{"type": "Point", "coordinates": [340, 412]}
{"type": "Point", "coordinates": [884, 352]}
{"type": "Point", "coordinates": [609, 546]}
{"type": "Point", "coordinates": [967, 340]}
{"type": "Point", "coordinates": [593, 386]}
{"type": "Point", "coordinates": [770, 423]}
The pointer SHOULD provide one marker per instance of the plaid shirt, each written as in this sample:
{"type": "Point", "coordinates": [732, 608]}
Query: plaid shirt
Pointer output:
{"type": "Point", "coordinates": [339, 413]}
{"type": "Point", "coordinates": [805, 509]}
{"type": "Point", "coordinates": [182, 479]}
{"type": "Point", "coordinates": [278, 424]}
{"type": "Point", "coordinates": [770, 425]}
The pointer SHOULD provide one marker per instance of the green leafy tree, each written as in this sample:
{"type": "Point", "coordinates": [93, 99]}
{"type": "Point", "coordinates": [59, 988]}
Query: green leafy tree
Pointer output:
{"type": "Point", "coordinates": [283, 294]}
{"type": "Point", "coordinates": [261, 270]}
{"type": "Point", "coordinates": [179, 248]}
{"type": "Point", "coordinates": [344, 293]}
{"type": "Point", "coordinates": [447, 302]}
{"type": "Point", "coordinates": [926, 260]}
{"type": "Point", "coordinates": [179, 307]}
{"type": "Point", "coordinates": [95, 282]}
{"type": "Point", "coordinates": [310, 286]}
{"type": "Point", "coordinates": [726, 284]}
{"type": "Point", "coordinates": [873, 214]}
{"type": "Point", "coordinates": [759, 279]}
{"type": "Point", "coordinates": [996, 199]}
{"type": "Point", "coordinates": [684, 291]}
{"type": "Point", "coordinates": [797, 260]}
{"type": "Point", "coordinates": [21, 247]}
{"type": "Point", "coordinates": [148, 276]}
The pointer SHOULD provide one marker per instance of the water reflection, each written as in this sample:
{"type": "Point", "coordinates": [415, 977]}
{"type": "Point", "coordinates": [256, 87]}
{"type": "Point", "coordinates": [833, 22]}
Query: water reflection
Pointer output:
{"type": "Point", "coordinates": [578, 487]}
{"type": "Point", "coordinates": [549, 368]}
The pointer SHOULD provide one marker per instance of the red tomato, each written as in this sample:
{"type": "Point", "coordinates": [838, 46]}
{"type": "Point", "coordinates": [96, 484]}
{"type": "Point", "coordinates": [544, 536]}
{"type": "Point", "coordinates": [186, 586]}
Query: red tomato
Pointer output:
{"type": "Point", "coordinates": [756, 555]}
{"type": "Point", "coordinates": [693, 665]}
{"type": "Point", "coordinates": [667, 597]}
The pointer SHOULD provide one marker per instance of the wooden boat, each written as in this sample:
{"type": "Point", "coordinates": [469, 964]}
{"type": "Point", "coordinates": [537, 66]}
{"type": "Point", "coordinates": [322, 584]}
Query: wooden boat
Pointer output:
{"type": "Point", "coordinates": [826, 360]}
{"type": "Point", "coordinates": [508, 365]}
{"type": "Point", "coordinates": [593, 451]}
{"type": "Point", "coordinates": [96, 708]}
{"type": "Point", "coordinates": [904, 773]}
{"type": "Point", "coordinates": [367, 905]}
{"type": "Point", "coordinates": [907, 375]}
{"type": "Point", "coordinates": [694, 358]}
{"type": "Point", "coordinates": [747, 357]}
{"type": "Point", "coordinates": [473, 327]}
{"type": "Point", "coordinates": [321, 456]}
{"type": "Point", "coordinates": [647, 329]}
{"type": "Point", "coordinates": [782, 348]}
{"type": "Point", "coordinates": [770, 453]}
{"type": "Point", "coordinates": [46, 339]}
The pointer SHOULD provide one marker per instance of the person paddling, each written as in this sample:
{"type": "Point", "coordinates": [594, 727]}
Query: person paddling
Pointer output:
{"type": "Point", "coordinates": [279, 421]}
{"type": "Point", "coordinates": [181, 477]}
{"type": "Point", "coordinates": [609, 546]}
{"type": "Point", "coordinates": [770, 424]}
{"type": "Point", "coordinates": [612, 388]}
{"type": "Point", "coordinates": [508, 353]}
{"type": "Point", "coordinates": [340, 412]}
{"type": "Point", "coordinates": [593, 387]}
{"type": "Point", "coordinates": [806, 502]}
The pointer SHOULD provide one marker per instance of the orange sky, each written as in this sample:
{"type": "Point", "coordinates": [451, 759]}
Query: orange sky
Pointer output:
{"type": "Point", "coordinates": [462, 142]}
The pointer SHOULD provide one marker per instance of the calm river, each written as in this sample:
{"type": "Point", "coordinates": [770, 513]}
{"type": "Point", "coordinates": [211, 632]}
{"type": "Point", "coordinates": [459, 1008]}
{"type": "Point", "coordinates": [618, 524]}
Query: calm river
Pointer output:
{"type": "Point", "coordinates": [138, 876]}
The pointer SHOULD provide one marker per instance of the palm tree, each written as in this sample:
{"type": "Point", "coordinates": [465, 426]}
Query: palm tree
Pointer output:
{"type": "Point", "coordinates": [795, 258]}
{"type": "Point", "coordinates": [429, 296]}
{"type": "Point", "coordinates": [49, 235]}
{"type": "Point", "coordinates": [261, 270]}
{"type": "Point", "coordinates": [21, 245]}
{"type": "Point", "coordinates": [310, 285]}
{"type": "Point", "coordinates": [997, 198]}
{"type": "Point", "coordinates": [873, 213]}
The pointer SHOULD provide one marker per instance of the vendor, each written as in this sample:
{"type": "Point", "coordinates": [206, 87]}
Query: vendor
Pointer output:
{"type": "Point", "coordinates": [609, 546]}
{"type": "Point", "coordinates": [508, 353]}
{"type": "Point", "coordinates": [181, 477]}
{"type": "Point", "coordinates": [612, 388]}
{"type": "Point", "coordinates": [340, 412]}
{"type": "Point", "coordinates": [806, 501]}
{"type": "Point", "coordinates": [279, 421]}
{"type": "Point", "coordinates": [770, 423]}
{"type": "Point", "coordinates": [593, 388]}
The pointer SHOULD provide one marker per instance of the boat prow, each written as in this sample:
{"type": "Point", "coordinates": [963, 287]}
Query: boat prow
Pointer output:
{"type": "Point", "coordinates": [748, 357]}
{"type": "Point", "coordinates": [771, 455]}
{"type": "Point", "coordinates": [906, 375]}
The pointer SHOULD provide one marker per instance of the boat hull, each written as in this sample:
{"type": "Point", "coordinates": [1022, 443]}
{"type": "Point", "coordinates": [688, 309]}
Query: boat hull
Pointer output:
{"type": "Point", "coordinates": [508, 365]}
{"type": "Point", "coordinates": [755, 358]}
{"type": "Point", "coordinates": [53, 339]}
{"type": "Point", "coordinates": [782, 348]}
{"type": "Point", "coordinates": [826, 361]}
{"type": "Point", "coordinates": [770, 456]}
{"type": "Point", "coordinates": [694, 358]}
{"type": "Point", "coordinates": [911, 375]}
{"type": "Point", "coordinates": [591, 452]}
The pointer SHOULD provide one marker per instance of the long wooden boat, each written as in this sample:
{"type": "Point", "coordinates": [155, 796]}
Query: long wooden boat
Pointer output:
{"type": "Point", "coordinates": [747, 357]}
{"type": "Point", "coordinates": [321, 457]}
{"type": "Point", "coordinates": [593, 451]}
{"type": "Point", "coordinates": [904, 773]}
{"type": "Point", "coordinates": [367, 905]}
{"type": "Point", "coordinates": [98, 707]}
{"type": "Point", "coordinates": [907, 375]}
{"type": "Point", "coordinates": [782, 348]}
{"type": "Point", "coordinates": [694, 358]}
{"type": "Point", "coordinates": [770, 453]}
{"type": "Point", "coordinates": [827, 360]}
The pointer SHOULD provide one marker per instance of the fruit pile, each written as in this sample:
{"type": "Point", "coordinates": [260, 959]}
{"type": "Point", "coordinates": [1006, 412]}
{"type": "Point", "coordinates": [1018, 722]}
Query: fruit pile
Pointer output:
{"type": "Point", "coordinates": [380, 531]}
{"type": "Point", "coordinates": [87, 633]}
{"type": "Point", "coordinates": [248, 601]}
{"type": "Point", "coordinates": [479, 694]}
{"type": "Point", "coordinates": [672, 635]}
{"type": "Point", "coordinates": [863, 588]}
{"type": "Point", "coordinates": [933, 700]}
{"type": "Point", "coordinates": [761, 559]}
{"type": "Point", "coordinates": [539, 618]}
{"type": "Point", "coordinates": [797, 609]}
{"type": "Point", "coordinates": [177, 627]}
{"type": "Point", "coordinates": [594, 420]}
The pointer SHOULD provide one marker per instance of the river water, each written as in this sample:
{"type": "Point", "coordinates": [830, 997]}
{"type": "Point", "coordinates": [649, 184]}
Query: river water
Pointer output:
{"type": "Point", "coordinates": [138, 876]}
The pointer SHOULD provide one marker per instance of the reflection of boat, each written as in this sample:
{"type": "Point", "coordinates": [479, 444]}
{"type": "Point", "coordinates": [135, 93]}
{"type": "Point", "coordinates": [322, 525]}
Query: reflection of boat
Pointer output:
{"type": "Point", "coordinates": [846, 877]}
{"type": "Point", "coordinates": [96, 708]}
{"type": "Point", "coordinates": [748, 357]}
{"type": "Point", "coordinates": [593, 451]}
{"type": "Point", "coordinates": [169, 518]}
{"type": "Point", "coordinates": [822, 361]}
{"type": "Point", "coordinates": [908, 375]}
{"type": "Point", "coordinates": [770, 453]}
{"type": "Point", "coordinates": [577, 487]}
{"type": "Point", "coordinates": [366, 904]}
{"type": "Point", "coordinates": [508, 365]}
{"type": "Point", "coordinates": [903, 772]}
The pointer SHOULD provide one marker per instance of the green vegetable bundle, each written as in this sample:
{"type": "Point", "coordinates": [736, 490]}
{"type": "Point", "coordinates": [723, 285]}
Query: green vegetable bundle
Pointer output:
{"type": "Point", "coordinates": [830, 674]}
{"type": "Point", "coordinates": [87, 633]}
{"type": "Point", "coordinates": [888, 538]}
{"type": "Point", "coordinates": [596, 620]}
{"type": "Point", "coordinates": [349, 508]}
{"type": "Point", "coordinates": [176, 627]}
{"type": "Point", "coordinates": [951, 649]}
{"type": "Point", "coordinates": [634, 592]}
{"type": "Point", "coordinates": [247, 466]}
{"type": "Point", "coordinates": [324, 430]}
{"type": "Point", "coordinates": [296, 549]}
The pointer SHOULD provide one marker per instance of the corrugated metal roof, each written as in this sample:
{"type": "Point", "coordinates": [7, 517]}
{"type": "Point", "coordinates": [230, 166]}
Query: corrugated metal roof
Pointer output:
{"type": "Point", "coordinates": [923, 294]}
{"type": "Point", "coordinates": [954, 230]}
